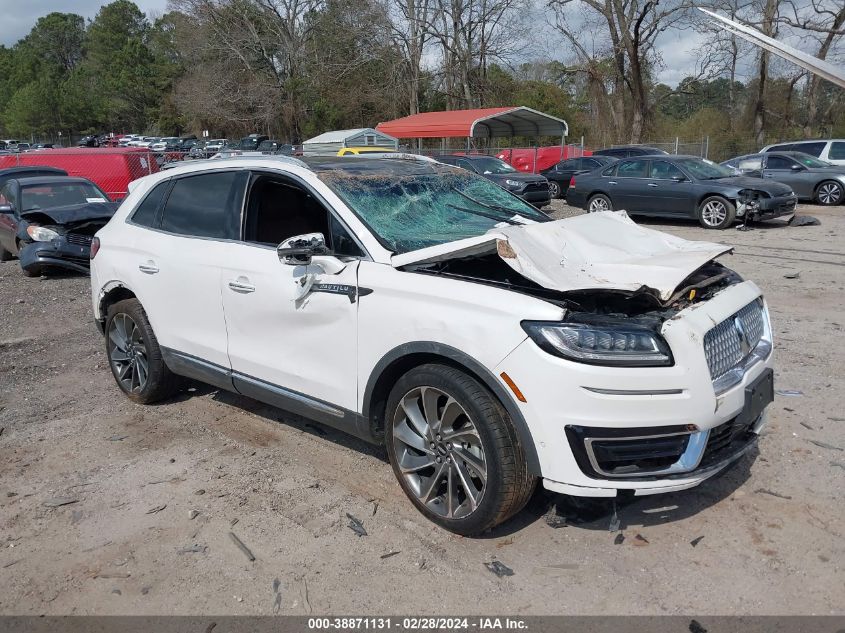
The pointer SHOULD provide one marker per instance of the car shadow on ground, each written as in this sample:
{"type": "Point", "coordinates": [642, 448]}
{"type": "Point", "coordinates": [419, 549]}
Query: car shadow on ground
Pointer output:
{"type": "Point", "coordinates": [597, 514]}
{"type": "Point", "coordinates": [686, 223]}
{"type": "Point", "coordinates": [580, 513]}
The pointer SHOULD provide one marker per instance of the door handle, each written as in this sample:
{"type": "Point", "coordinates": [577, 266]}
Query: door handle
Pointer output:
{"type": "Point", "coordinates": [149, 268]}
{"type": "Point", "coordinates": [243, 288]}
{"type": "Point", "coordinates": [651, 184]}
{"type": "Point", "coordinates": [611, 182]}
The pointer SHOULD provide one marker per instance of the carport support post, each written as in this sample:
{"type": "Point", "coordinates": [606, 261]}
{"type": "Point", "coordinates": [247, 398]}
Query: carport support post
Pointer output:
{"type": "Point", "coordinates": [676, 146]}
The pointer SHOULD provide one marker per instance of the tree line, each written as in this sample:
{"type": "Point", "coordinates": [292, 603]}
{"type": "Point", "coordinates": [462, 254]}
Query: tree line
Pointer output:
{"type": "Point", "coordinates": [295, 68]}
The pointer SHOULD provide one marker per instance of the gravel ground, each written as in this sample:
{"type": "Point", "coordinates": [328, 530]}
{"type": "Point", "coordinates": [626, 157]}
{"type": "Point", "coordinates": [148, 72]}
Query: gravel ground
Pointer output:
{"type": "Point", "coordinates": [152, 493]}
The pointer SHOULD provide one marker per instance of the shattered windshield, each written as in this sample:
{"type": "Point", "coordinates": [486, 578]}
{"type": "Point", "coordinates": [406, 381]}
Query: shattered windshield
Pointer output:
{"type": "Point", "coordinates": [410, 212]}
{"type": "Point", "coordinates": [49, 196]}
{"type": "Point", "coordinates": [704, 169]}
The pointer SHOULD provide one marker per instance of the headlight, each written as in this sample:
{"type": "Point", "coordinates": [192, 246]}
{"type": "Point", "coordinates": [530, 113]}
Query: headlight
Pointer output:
{"type": "Point", "coordinates": [618, 345]}
{"type": "Point", "coordinates": [40, 234]}
{"type": "Point", "coordinates": [513, 183]}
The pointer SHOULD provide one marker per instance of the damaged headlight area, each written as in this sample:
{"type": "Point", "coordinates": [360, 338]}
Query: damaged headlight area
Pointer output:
{"type": "Point", "coordinates": [601, 343]}
{"type": "Point", "coordinates": [41, 234]}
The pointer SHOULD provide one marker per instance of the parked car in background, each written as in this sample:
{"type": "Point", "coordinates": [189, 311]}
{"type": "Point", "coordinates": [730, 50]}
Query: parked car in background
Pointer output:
{"type": "Point", "coordinates": [165, 143]}
{"type": "Point", "coordinates": [250, 143]}
{"type": "Point", "coordinates": [215, 145]}
{"type": "Point", "coordinates": [626, 151]}
{"type": "Point", "coordinates": [830, 150]}
{"type": "Point", "coordinates": [810, 178]}
{"type": "Point", "coordinates": [275, 147]}
{"type": "Point", "coordinates": [49, 221]}
{"type": "Point", "coordinates": [532, 188]}
{"type": "Point", "coordinates": [23, 147]}
{"type": "Point", "coordinates": [91, 140]}
{"type": "Point", "coordinates": [560, 174]}
{"type": "Point", "coordinates": [681, 187]}
{"type": "Point", "coordinates": [357, 151]}
{"type": "Point", "coordinates": [424, 309]}
{"type": "Point", "coordinates": [11, 173]}
{"type": "Point", "coordinates": [126, 138]}
{"type": "Point", "coordinates": [9, 144]}
{"type": "Point", "coordinates": [37, 146]}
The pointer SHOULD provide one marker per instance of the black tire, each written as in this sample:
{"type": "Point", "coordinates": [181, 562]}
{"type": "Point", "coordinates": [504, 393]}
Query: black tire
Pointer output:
{"type": "Point", "coordinates": [5, 255]}
{"type": "Point", "coordinates": [36, 271]}
{"type": "Point", "coordinates": [555, 190]}
{"type": "Point", "coordinates": [829, 193]}
{"type": "Point", "coordinates": [598, 203]}
{"type": "Point", "coordinates": [716, 212]}
{"type": "Point", "coordinates": [159, 382]}
{"type": "Point", "coordinates": [507, 485]}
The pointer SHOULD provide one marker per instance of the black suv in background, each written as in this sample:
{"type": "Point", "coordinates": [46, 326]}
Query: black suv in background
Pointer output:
{"type": "Point", "coordinates": [561, 174]}
{"type": "Point", "coordinates": [533, 188]}
{"type": "Point", "coordinates": [626, 151]}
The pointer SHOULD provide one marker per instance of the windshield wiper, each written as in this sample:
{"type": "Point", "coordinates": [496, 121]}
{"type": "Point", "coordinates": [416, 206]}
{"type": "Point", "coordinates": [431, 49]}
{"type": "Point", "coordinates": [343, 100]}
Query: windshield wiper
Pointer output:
{"type": "Point", "coordinates": [492, 207]}
{"type": "Point", "coordinates": [489, 216]}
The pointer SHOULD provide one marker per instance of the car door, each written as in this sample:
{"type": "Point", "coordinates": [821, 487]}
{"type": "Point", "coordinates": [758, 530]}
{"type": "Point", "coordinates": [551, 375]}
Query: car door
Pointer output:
{"type": "Point", "coordinates": [783, 169]}
{"type": "Point", "coordinates": [174, 269]}
{"type": "Point", "coordinates": [292, 329]}
{"type": "Point", "coordinates": [629, 188]}
{"type": "Point", "coordinates": [670, 190]}
{"type": "Point", "coordinates": [8, 218]}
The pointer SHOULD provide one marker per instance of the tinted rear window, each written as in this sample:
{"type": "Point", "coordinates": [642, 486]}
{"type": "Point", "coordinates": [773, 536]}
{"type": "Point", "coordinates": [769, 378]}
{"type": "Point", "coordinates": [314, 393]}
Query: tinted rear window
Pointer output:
{"type": "Point", "coordinates": [146, 213]}
{"type": "Point", "coordinates": [205, 206]}
{"type": "Point", "coordinates": [813, 149]}
{"type": "Point", "coordinates": [837, 151]}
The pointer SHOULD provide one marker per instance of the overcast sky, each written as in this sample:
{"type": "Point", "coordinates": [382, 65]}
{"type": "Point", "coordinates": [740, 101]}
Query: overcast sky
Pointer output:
{"type": "Point", "coordinates": [17, 17]}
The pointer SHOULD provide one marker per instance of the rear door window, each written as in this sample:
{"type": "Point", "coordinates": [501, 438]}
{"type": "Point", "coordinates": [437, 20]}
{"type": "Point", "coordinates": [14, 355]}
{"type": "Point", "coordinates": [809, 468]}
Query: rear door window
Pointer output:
{"type": "Point", "coordinates": [779, 162]}
{"type": "Point", "coordinates": [813, 149]}
{"type": "Point", "coordinates": [751, 163]}
{"type": "Point", "coordinates": [147, 212]}
{"type": "Point", "coordinates": [207, 205]}
{"type": "Point", "coordinates": [837, 150]}
{"type": "Point", "coordinates": [633, 169]}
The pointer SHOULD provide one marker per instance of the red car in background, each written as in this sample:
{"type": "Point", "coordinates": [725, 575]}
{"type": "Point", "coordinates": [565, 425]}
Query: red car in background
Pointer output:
{"type": "Point", "coordinates": [111, 169]}
{"type": "Point", "coordinates": [536, 159]}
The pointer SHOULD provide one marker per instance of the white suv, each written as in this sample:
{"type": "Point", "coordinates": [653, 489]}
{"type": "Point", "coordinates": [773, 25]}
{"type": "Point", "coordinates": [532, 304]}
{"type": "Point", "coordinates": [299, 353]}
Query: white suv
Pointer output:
{"type": "Point", "coordinates": [422, 307]}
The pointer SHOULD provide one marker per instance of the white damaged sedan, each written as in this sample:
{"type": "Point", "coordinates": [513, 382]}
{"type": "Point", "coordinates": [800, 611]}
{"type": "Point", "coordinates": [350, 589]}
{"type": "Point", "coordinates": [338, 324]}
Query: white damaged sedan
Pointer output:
{"type": "Point", "coordinates": [422, 307]}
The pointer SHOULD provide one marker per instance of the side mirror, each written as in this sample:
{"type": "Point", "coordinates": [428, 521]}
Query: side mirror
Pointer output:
{"type": "Point", "coordinates": [6, 208]}
{"type": "Point", "coordinates": [679, 178]}
{"type": "Point", "coordinates": [299, 249]}
{"type": "Point", "coordinates": [797, 168]}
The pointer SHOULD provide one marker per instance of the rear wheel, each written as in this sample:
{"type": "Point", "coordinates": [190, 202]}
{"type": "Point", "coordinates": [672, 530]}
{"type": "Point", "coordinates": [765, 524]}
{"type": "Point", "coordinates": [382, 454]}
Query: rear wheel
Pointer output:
{"type": "Point", "coordinates": [134, 355]}
{"type": "Point", "coordinates": [829, 193]}
{"type": "Point", "coordinates": [554, 189]}
{"type": "Point", "coordinates": [599, 202]}
{"type": "Point", "coordinates": [32, 271]}
{"type": "Point", "coordinates": [5, 255]}
{"type": "Point", "coordinates": [716, 212]}
{"type": "Point", "coordinates": [454, 450]}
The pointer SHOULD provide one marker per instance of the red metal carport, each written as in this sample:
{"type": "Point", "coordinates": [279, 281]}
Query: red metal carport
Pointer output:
{"type": "Point", "coordinates": [488, 123]}
{"type": "Point", "coordinates": [478, 123]}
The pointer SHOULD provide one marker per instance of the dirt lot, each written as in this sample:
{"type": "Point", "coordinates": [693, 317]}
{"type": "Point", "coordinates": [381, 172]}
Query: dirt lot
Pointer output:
{"type": "Point", "coordinates": [772, 527]}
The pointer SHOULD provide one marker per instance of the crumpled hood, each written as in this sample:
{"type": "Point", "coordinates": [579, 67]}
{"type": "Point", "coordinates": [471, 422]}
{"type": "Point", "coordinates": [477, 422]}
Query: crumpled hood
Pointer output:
{"type": "Point", "coordinates": [606, 251]}
{"type": "Point", "coordinates": [77, 212]}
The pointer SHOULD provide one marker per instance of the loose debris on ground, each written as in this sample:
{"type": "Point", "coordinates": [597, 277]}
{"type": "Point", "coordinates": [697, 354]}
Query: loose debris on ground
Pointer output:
{"type": "Point", "coordinates": [694, 542]}
{"type": "Point", "coordinates": [355, 525]}
{"type": "Point", "coordinates": [247, 552]}
{"type": "Point", "coordinates": [766, 491]}
{"type": "Point", "coordinates": [498, 568]}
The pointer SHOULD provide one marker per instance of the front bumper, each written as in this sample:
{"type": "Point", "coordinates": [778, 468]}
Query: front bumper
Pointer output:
{"type": "Point", "coordinates": [768, 208]}
{"type": "Point", "coordinates": [58, 252]}
{"type": "Point", "coordinates": [564, 397]}
{"type": "Point", "coordinates": [538, 194]}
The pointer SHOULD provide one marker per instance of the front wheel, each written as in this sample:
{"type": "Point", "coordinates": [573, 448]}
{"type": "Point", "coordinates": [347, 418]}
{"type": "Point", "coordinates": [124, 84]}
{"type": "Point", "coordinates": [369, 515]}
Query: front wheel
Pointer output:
{"type": "Point", "coordinates": [599, 202]}
{"type": "Point", "coordinates": [829, 193]}
{"type": "Point", "coordinates": [5, 255]}
{"type": "Point", "coordinates": [716, 212]}
{"type": "Point", "coordinates": [134, 355]}
{"type": "Point", "coordinates": [454, 450]}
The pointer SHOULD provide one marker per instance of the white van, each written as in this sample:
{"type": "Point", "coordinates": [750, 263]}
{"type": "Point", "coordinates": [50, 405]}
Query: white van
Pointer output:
{"type": "Point", "coordinates": [831, 150]}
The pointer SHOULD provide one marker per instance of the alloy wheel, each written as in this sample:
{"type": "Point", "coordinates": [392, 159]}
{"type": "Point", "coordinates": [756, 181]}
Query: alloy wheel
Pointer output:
{"type": "Point", "coordinates": [829, 193]}
{"type": "Point", "coordinates": [439, 452]}
{"type": "Point", "coordinates": [554, 189]}
{"type": "Point", "coordinates": [598, 204]}
{"type": "Point", "coordinates": [714, 213]}
{"type": "Point", "coordinates": [128, 353]}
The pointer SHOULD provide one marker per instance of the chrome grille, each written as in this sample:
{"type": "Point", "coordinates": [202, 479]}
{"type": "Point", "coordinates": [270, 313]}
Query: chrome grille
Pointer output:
{"type": "Point", "coordinates": [734, 338]}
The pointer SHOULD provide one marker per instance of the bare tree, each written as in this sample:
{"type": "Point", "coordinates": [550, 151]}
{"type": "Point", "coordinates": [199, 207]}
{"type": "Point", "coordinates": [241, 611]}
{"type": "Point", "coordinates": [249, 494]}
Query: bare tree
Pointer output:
{"type": "Point", "coordinates": [632, 30]}
{"type": "Point", "coordinates": [409, 25]}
